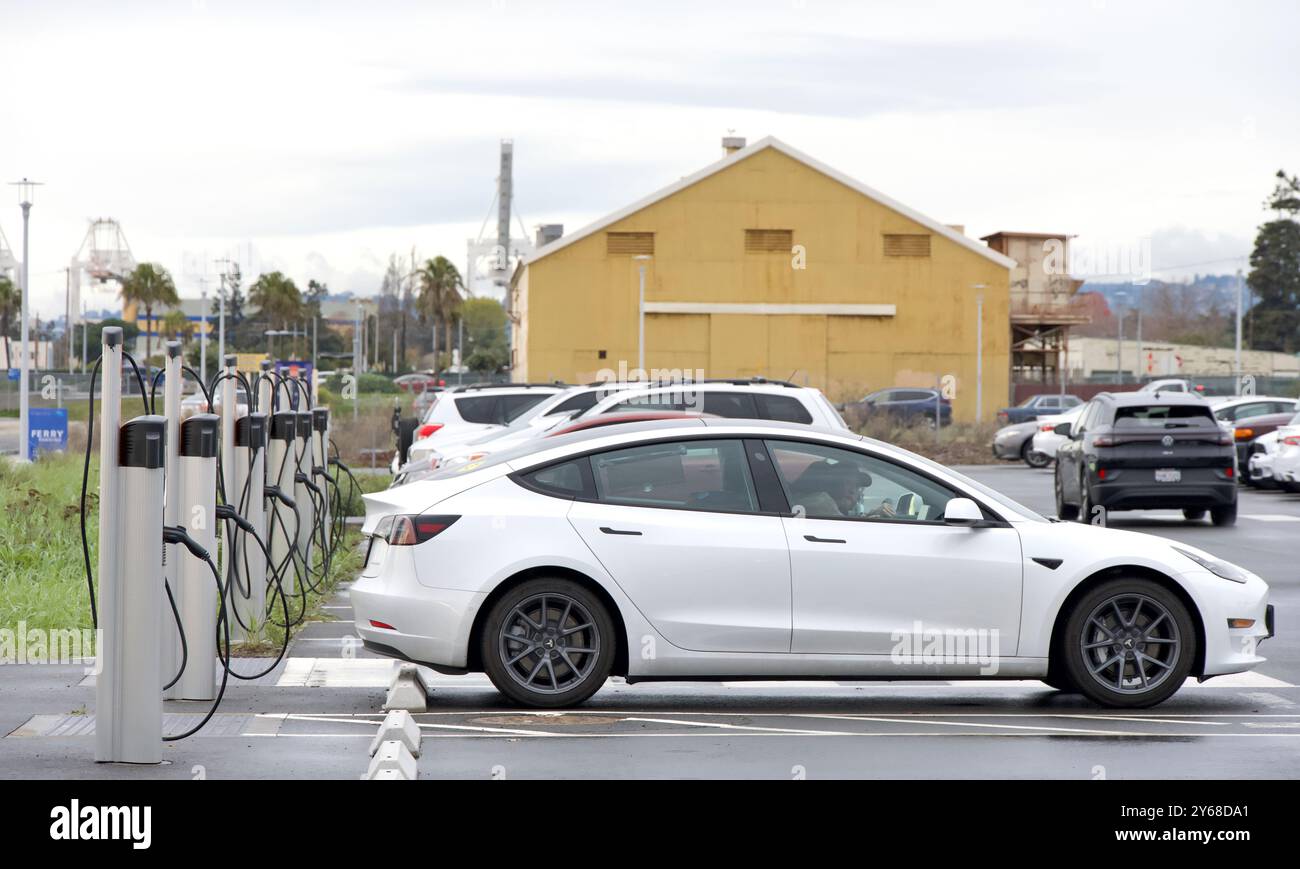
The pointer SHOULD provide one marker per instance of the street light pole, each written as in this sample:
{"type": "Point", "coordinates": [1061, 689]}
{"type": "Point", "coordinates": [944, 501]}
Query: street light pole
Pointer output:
{"type": "Point", "coordinates": [203, 335]}
{"type": "Point", "coordinates": [1239, 306]}
{"type": "Point", "coordinates": [1119, 338]}
{"type": "Point", "coordinates": [24, 415]}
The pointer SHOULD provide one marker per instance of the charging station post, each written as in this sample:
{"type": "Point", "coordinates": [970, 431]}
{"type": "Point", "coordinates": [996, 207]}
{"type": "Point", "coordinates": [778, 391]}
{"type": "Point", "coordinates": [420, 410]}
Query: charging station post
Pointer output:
{"type": "Point", "coordinates": [171, 641]}
{"type": "Point", "coordinates": [301, 493]}
{"type": "Point", "coordinates": [249, 604]}
{"type": "Point", "coordinates": [281, 465]}
{"type": "Point", "coordinates": [128, 702]}
{"type": "Point", "coordinates": [197, 493]}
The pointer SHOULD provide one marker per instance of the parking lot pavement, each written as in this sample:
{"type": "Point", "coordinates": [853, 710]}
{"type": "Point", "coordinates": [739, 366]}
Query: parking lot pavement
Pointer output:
{"type": "Point", "coordinates": [314, 715]}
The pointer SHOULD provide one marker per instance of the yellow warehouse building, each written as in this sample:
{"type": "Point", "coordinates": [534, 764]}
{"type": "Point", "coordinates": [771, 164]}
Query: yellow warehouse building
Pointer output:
{"type": "Point", "coordinates": [769, 263]}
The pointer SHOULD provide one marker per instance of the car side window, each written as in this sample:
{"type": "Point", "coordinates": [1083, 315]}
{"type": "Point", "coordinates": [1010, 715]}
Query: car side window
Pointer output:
{"type": "Point", "coordinates": [480, 409]}
{"type": "Point", "coordinates": [823, 482]}
{"type": "Point", "coordinates": [513, 406]}
{"type": "Point", "coordinates": [783, 408]}
{"type": "Point", "coordinates": [565, 480]}
{"type": "Point", "coordinates": [692, 475]}
{"type": "Point", "coordinates": [735, 405]}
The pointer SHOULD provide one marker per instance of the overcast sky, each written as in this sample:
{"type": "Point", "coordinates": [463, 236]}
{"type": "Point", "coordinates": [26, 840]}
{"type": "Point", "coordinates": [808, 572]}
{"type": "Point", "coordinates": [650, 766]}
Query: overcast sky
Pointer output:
{"type": "Point", "coordinates": [317, 138]}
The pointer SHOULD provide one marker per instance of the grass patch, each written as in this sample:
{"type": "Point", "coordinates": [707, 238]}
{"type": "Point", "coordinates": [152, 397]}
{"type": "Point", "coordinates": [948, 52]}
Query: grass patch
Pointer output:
{"type": "Point", "coordinates": [42, 571]}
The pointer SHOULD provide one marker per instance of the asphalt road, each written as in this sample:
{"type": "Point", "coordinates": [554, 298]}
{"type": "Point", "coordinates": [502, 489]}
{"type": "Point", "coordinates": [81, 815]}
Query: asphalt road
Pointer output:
{"type": "Point", "coordinates": [315, 715]}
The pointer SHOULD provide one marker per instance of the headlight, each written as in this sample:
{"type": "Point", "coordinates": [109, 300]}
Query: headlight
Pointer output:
{"type": "Point", "coordinates": [1218, 568]}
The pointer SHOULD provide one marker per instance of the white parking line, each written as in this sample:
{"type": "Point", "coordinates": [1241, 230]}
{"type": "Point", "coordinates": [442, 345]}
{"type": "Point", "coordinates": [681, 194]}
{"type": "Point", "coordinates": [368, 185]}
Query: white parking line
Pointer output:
{"type": "Point", "coordinates": [722, 726]}
{"type": "Point", "coordinates": [920, 720]}
{"type": "Point", "coordinates": [1269, 517]}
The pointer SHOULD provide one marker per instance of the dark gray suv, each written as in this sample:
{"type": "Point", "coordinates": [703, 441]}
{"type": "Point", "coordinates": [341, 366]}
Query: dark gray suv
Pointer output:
{"type": "Point", "coordinates": [1142, 451]}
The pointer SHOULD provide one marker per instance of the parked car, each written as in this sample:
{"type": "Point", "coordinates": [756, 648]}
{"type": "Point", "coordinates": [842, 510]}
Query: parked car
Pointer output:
{"type": "Point", "coordinates": [1248, 429]}
{"type": "Point", "coordinates": [1046, 441]}
{"type": "Point", "coordinates": [907, 405]}
{"type": "Point", "coordinates": [1259, 467]}
{"type": "Point", "coordinates": [1135, 451]}
{"type": "Point", "coordinates": [1038, 405]}
{"type": "Point", "coordinates": [465, 412]}
{"type": "Point", "coordinates": [550, 411]}
{"type": "Point", "coordinates": [1286, 461]}
{"type": "Point", "coordinates": [739, 549]}
{"type": "Point", "coordinates": [1015, 442]}
{"type": "Point", "coordinates": [418, 381]}
{"type": "Point", "coordinates": [756, 398]}
{"type": "Point", "coordinates": [1229, 410]}
{"type": "Point", "coordinates": [1172, 384]}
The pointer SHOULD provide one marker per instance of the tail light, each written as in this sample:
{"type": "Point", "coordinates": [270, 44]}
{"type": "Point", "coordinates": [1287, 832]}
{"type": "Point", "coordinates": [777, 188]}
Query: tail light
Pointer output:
{"type": "Point", "coordinates": [427, 429]}
{"type": "Point", "coordinates": [1225, 439]}
{"type": "Point", "coordinates": [1103, 441]}
{"type": "Point", "coordinates": [1229, 472]}
{"type": "Point", "coordinates": [413, 530]}
{"type": "Point", "coordinates": [1047, 426]}
{"type": "Point", "coordinates": [1292, 440]}
{"type": "Point", "coordinates": [1244, 434]}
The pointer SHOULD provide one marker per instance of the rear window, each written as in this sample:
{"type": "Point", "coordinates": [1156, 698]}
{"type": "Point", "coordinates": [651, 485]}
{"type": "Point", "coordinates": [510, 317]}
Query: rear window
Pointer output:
{"type": "Point", "coordinates": [481, 409]}
{"type": "Point", "coordinates": [581, 401]}
{"type": "Point", "coordinates": [1159, 415]}
{"type": "Point", "coordinates": [513, 406]}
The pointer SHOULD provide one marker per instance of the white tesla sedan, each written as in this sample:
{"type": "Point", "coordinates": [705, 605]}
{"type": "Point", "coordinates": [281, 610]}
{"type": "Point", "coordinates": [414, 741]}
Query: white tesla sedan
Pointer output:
{"type": "Point", "coordinates": [708, 548]}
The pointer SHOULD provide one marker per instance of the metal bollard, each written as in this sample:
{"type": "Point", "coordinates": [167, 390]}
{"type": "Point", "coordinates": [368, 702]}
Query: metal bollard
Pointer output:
{"type": "Point", "coordinates": [197, 469]}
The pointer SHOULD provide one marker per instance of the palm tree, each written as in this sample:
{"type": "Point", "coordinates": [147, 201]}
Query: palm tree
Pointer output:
{"type": "Point", "coordinates": [177, 324]}
{"type": "Point", "coordinates": [277, 298]}
{"type": "Point", "coordinates": [11, 302]}
{"type": "Point", "coordinates": [440, 298]}
{"type": "Point", "coordinates": [148, 286]}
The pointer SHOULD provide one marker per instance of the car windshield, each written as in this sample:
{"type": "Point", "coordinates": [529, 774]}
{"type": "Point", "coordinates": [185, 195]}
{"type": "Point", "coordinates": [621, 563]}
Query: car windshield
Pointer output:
{"type": "Point", "coordinates": [1028, 401]}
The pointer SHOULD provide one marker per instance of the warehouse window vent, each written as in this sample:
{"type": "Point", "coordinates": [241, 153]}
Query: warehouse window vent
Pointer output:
{"type": "Point", "coordinates": [769, 240]}
{"type": "Point", "coordinates": [900, 244]}
{"type": "Point", "coordinates": [629, 243]}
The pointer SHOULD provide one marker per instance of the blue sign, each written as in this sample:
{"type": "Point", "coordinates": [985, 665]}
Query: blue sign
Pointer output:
{"type": "Point", "coordinates": [47, 430]}
{"type": "Point", "coordinates": [15, 374]}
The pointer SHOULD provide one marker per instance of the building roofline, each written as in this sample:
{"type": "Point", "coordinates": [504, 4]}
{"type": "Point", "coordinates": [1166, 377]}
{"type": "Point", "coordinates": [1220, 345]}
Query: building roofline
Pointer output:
{"type": "Point", "coordinates": [1013, 234]}
{"type": "Point", "coordinates": [795, 154]}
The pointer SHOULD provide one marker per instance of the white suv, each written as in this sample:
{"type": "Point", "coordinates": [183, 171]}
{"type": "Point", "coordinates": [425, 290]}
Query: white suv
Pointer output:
{"type": "Point", "coordinates": [736, 399]}
{"type": "Point", "coordinates": [468, 411]}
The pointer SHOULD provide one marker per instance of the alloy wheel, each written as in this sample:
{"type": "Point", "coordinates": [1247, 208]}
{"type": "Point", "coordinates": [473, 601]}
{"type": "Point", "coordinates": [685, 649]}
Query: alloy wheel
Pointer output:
{"type": "Point", "coordinates": [1130, 643]}
{"type": "Point", "coordinates": [549, 643]}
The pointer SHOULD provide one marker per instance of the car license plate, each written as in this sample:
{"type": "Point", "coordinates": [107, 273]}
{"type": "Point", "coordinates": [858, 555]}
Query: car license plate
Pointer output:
{"type": "Point", "coordinates": [1168, 475]}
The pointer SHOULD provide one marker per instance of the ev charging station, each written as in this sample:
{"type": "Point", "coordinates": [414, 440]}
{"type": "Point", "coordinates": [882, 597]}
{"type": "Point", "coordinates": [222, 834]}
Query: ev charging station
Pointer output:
{"type": "Point", "coordinates": [301, 493]}
{"type": "Point", "coordinates": [320, 424]}
{"type": "Point", "coordinates": [249, 596]}
{"type": "Point", "coordinates": [171, 641]}
{"type": "Point", "coordinates": [128, 699]}
{"type": "Point", "coordinates": [281, 467]}
{"type": "Point", "coordinates": [198, 604]}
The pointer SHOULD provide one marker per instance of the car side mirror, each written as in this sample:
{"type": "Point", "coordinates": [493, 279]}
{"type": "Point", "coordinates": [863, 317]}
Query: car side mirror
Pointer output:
{"type": "Point", "coordinates": [1063, 429]}
{"type": "Point", "coordinates": [962, 512]}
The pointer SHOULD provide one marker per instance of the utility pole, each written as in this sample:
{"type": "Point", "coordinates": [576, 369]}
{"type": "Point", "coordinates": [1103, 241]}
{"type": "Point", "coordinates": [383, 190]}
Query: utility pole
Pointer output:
{"type": "Point", "coordinates": [25, 189]}
{"type": "Point", "coordinates": [203, 334]}
{"type": "Point", "coordinates": [1237, 364]}
{"type": "Point", "coordinates": [979, 352]}
{"type": "Point", "coordinates": [68, 306]}
{"type": "Point", "coordinates": [221, 316]}
{"type": "Point", "coordinates": [1119, 337]}
{"type": "Point", "coordinates": [1140, 367]}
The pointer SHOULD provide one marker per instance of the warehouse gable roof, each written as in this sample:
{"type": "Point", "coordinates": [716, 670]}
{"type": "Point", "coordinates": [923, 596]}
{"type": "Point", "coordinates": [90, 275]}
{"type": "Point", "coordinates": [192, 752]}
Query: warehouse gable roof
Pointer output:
{"type": "Point", "coordinates": [776, 144]}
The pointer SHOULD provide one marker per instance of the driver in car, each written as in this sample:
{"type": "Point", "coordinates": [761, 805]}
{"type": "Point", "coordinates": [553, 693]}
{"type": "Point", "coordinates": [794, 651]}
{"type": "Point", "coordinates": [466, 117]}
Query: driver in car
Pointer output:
{"type": "Point", "coordinates": [825, 490]}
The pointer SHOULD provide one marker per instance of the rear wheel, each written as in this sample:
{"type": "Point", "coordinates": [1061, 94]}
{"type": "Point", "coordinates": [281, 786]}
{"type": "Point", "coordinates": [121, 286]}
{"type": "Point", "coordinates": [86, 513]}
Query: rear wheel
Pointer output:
{"type": "Point", "coordinates": [1085, 501]}
{"type": "Point", "coordinates": [548, 643]}
{"type": "Point", "coordinates": [1193, 515]}
{"type": "Point", "coordinates": [1064, 511]}
{"type": "Point", "coordinates": [1224, 516]}
{"type": "Point", "coordinates": [1129, 643]}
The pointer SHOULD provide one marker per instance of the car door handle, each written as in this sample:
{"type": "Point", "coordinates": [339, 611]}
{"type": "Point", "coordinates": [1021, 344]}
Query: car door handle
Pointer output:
{"type": "Point", "coordinates": [605, 529]}
{"type": "Point", "coordinates": [812, 538]}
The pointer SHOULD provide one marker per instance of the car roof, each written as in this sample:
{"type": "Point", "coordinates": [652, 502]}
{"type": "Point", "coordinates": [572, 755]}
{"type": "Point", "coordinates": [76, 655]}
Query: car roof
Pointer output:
{"type": "Point", "coordinates": [524, 387]}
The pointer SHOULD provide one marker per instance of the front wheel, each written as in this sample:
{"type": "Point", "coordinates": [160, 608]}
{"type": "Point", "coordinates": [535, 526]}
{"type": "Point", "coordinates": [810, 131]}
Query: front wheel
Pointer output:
{"type": "Point", "coordinates": [548, 643]}
{"type": "Point", "coordinates": [1193, 515]}
{"type": "Point", "coordinates": [1033, 457]}
{"type": "Point", "coordinates": [1129, 643]}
